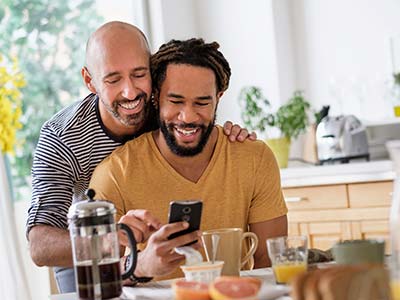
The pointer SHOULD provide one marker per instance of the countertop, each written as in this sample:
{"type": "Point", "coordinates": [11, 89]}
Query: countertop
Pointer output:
{"type": "Point", "coordinates": [337, 174]}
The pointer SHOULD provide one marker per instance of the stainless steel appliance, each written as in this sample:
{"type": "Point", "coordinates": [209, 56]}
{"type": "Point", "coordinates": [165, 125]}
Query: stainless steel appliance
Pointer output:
{"type": "Point", "coordinates": [341, 139]}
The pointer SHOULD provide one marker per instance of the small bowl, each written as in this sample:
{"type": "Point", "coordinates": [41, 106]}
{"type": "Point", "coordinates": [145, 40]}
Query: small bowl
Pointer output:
{"type": "Point", "coordinates": [359, 252]}
{"type": "Point", "coordinates": [203, 272]}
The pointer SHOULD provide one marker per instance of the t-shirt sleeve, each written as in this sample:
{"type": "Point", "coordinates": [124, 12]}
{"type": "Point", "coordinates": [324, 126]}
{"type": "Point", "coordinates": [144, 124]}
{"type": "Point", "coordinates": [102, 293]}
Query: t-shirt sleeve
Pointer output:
{"type": "Point", "coordinates": [268, 201]}
{"type": "Point", "coordinates": [107, 185]}
{"type": "Point", "coordinates": [52, 182]}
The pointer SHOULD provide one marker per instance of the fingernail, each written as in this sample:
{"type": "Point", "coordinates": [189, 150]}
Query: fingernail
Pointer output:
{"type": "Point", "coordinates": [185, 224]}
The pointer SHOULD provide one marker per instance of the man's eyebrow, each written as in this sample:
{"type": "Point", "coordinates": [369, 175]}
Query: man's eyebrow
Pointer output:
{"type": "Point", "coordinates": [204, 98]}
{"type": "Point", "coordinates": [138, 69]}
{"type": "Point", "coordinates": [173, 95]}
{"type": "Point", "coordinates": [110, 75]}
{"type": "Point", "coordinates": [177, 96]}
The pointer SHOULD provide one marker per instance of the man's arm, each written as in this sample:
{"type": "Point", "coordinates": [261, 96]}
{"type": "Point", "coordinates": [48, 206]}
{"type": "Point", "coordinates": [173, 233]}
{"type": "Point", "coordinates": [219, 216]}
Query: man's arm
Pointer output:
{"type": "Point", "coordinates": [50, 246]}
{"type": "Point", "coordinates": [52, 189]}
{"type": "Point", "coordinates": [265, 230]}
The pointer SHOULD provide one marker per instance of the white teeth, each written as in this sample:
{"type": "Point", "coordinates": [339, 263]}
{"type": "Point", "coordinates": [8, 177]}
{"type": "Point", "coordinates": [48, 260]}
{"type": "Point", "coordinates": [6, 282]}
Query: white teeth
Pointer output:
{"type": "Point", "coordinates": [130, 104]}
{"type": "Point", "coordinates": [186, 132]}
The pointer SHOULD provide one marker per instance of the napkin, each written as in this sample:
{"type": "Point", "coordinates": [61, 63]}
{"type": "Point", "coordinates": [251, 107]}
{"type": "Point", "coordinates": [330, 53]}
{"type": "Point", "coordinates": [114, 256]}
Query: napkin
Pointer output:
{"type": "Point", "coordinates": [193, 257]}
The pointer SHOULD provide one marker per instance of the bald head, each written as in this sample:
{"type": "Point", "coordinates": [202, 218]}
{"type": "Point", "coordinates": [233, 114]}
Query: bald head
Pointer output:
{"type": "Point", "coordinates": [113, 37]}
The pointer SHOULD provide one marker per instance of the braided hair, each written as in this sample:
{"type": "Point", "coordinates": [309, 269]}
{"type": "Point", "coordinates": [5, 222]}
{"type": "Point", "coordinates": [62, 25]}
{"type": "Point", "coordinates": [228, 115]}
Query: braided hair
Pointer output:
{"type": "Point", "coordinates": [193, 52]}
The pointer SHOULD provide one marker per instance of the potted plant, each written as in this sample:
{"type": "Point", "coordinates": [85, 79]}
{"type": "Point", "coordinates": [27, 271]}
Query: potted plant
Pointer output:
{"type": "Point", "coordinates": [287, 123]}
{"type": "Point", "coordinates": [395, 94]}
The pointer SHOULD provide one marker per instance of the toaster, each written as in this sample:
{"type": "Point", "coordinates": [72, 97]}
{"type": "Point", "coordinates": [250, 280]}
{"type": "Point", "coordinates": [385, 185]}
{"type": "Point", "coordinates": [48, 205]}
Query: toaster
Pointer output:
{"type": "Point", "coordinates": [341, 138]}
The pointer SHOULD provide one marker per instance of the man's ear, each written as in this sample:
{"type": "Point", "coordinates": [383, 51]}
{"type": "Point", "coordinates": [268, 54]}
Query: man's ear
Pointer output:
{"type": "Point", "coordinates": [219, 95]}
{"type": "Point", "coordinates": [87, 79]}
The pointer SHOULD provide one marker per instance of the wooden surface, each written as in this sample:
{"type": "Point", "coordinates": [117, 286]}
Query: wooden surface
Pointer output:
{"type": "Point", "coordinates": [331, 213]}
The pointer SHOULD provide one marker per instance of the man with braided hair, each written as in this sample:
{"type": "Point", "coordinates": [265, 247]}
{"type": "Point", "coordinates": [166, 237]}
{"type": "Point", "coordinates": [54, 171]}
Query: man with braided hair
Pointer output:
{"type": "Point", "coordinates": [190, 158]}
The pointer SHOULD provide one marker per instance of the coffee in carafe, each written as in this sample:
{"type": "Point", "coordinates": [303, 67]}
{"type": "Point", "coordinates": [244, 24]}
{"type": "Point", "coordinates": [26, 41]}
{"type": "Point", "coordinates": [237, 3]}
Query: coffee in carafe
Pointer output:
{"type": "Point", "coordinates": [110, 279]}
{"type": "Point", "coordinates": [95, 248]}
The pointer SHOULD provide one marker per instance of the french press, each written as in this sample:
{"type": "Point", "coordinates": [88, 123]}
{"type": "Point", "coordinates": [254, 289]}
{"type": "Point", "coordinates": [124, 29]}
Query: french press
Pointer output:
{"type": "Point", "coordinates": [95, 249]}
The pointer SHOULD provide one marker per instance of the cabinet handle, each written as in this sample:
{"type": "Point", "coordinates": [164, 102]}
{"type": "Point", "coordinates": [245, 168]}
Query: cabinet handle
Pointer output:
{"type": "Point", "coordinates": [295, 199]}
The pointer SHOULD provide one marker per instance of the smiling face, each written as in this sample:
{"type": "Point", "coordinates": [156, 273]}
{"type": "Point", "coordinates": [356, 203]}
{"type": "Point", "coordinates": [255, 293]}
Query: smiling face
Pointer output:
{"type": "Point", "coordinates": [118, 72]}
{"type": "Point", "coordinates": [188, 101]}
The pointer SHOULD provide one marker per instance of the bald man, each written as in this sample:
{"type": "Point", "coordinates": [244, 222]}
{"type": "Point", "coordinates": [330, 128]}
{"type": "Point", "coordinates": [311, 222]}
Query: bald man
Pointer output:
{"type": "Point", "coordinates": [74, 141]}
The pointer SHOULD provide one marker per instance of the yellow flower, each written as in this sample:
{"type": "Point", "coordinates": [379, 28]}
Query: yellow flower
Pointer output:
{"type": "Point", "coordinates": [11, 80]}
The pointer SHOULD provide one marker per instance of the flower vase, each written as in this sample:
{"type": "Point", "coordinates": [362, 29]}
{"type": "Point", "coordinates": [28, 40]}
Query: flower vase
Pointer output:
{"type": "Point", "coordinates": [280, 147]}
{"type": "Point", "coordinates": [395, 98]}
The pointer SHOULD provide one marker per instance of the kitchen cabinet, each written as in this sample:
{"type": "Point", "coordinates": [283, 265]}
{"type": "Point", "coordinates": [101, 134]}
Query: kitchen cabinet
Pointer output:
{"type": "Point", "coordinates": [334, 212]}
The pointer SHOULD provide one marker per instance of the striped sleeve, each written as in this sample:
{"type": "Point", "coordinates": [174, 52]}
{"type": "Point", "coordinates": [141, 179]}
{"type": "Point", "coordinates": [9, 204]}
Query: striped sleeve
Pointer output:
{"type": "Point", "coordinates": [53, 175]}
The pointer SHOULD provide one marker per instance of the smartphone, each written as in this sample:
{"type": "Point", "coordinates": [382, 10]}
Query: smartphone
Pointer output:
{"type": "Point", "coordinates": [186, 210]}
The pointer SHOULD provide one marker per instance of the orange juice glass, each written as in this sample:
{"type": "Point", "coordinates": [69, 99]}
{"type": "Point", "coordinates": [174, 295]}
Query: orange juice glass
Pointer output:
{"type": "Point", "coordinates": [285, 272]}
{"type": "Point", "coordinates": [288, 256]}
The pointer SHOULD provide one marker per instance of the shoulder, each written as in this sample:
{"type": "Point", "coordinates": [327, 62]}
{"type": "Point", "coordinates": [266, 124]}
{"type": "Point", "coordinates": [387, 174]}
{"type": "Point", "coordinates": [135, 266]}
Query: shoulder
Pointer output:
{"type": "Point", "coordinates": [247, 148]}
{"type": "Point", "coordinates": [130, 152]}
{"type": "Point", "coordinates": [75, 116]}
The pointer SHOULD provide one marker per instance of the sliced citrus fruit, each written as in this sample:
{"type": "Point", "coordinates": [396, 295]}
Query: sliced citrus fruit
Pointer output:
{"type": "Point", "coordinates": [190, 290]}
{"type": "Point", "coordinates": [228, 287]}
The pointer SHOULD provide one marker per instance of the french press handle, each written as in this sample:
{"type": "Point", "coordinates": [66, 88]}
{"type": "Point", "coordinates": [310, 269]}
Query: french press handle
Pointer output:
{"type": "Point", "coordinates": [133, 255]}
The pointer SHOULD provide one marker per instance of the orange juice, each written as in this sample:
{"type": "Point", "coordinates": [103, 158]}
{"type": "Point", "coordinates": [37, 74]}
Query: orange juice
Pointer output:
{"type": "Point", "coordinates": [285, 272]}
{"type": "Point", "coordinates": [395, 287]}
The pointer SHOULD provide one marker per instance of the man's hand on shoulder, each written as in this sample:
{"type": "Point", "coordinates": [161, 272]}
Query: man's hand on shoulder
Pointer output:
{"type": "Point", "coordinates": [237, 133]}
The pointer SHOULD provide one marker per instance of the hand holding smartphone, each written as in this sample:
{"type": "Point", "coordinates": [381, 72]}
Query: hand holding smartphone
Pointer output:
{"type": "Point", "coordinates": [187, 210]}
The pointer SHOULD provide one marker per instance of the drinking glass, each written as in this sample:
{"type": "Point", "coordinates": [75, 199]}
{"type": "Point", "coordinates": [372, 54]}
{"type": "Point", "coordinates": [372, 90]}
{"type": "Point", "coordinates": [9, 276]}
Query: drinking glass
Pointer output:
{"type": "Point", "coordinates": [288, 256]}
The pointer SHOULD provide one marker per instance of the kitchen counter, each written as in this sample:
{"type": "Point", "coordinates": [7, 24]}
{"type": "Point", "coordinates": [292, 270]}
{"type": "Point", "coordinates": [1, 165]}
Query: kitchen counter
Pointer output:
{"type": "Point", "coordinates": [337, 174]}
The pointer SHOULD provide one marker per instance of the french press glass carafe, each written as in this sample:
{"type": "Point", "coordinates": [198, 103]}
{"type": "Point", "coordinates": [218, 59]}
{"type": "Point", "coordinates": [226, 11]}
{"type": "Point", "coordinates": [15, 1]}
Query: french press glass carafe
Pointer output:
{"type": "Point", "coordinates": [95, 249]}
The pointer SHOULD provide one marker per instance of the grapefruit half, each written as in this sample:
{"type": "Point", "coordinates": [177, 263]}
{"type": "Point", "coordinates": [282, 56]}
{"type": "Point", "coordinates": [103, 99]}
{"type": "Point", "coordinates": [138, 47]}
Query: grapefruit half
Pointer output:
{"type": "Point", "coordinates": [229, 287]}
{"type": "Point", "coordinates": [190, 290]}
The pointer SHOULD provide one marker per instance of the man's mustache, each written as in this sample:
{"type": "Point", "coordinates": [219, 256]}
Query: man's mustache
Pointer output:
{"type": "Point", "coordinates": [138, 97]}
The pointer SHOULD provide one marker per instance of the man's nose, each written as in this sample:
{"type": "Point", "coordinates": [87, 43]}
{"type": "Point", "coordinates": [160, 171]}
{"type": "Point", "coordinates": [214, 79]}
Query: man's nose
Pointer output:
{"type": "Point", "coordinates": [129, 90]}
{"type": "Point", "coordinates": [188, 114]}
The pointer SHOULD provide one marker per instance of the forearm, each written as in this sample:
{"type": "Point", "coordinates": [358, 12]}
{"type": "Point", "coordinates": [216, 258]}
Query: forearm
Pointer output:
{"type": "Point", "coordinates": [50, 246]}
{"type": "Point", "coordinates": [265, 230]}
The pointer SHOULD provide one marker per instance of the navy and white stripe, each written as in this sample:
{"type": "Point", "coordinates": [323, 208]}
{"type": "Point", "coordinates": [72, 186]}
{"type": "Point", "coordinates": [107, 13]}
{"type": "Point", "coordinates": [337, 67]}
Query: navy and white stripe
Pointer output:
{"type": "Point", "coordinates": [71, 145]}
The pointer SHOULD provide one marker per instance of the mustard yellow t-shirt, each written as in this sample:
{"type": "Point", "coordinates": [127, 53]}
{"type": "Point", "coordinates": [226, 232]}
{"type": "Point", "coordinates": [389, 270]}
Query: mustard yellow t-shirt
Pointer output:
{"type": "Point", "coordinates": [240, 186]}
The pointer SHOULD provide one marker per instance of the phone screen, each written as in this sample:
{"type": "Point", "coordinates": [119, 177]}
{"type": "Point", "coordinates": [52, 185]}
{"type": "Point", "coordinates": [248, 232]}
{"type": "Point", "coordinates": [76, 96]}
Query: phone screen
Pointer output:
{"type": "Point", "coordinates": [187, 210]}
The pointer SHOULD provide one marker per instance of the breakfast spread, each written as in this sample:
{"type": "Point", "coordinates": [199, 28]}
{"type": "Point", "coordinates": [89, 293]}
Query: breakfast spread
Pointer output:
{"type": "Point", "coordinates": [222, 288]}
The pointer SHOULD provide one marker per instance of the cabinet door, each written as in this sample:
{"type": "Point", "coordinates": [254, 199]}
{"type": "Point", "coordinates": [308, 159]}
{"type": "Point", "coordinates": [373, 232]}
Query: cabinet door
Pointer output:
{"type": "Point", "coordinates": [316, 197]}
{"type": "Point", "coordinates": [372, 194]}
{"type": "Point", "coordinates": [323, 235]}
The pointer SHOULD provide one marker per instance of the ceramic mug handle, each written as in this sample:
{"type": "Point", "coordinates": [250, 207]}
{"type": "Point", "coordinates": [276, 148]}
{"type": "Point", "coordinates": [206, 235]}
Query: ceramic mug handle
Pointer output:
{"type": "Point", "coordinates": [253, 246]}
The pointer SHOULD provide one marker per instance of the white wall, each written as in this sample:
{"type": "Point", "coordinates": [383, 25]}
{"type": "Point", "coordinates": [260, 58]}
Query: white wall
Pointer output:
{"type": "Point", "coordinates": [342, 53]}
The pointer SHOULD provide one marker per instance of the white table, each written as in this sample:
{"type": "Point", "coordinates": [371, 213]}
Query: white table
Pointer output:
{"type": "Point", "coordinates": [162, 289]}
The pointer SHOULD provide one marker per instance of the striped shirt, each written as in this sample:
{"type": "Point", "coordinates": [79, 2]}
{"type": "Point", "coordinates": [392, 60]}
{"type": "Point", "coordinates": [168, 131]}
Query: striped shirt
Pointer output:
{"type": "Point", "coordinates": [71, 145]}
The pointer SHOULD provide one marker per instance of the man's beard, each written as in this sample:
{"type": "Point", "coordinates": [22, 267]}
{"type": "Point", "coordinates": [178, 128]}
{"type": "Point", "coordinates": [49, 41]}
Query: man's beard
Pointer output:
{"type": "Point", "coordinates": [168, 133]}
{"type": "Point", "coordinates": [132, 119]}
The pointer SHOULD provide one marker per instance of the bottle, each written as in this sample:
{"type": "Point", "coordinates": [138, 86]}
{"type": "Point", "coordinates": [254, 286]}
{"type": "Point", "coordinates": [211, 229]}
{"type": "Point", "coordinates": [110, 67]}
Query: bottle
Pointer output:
{"type": "Point", "coordinates": [394, 152]}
